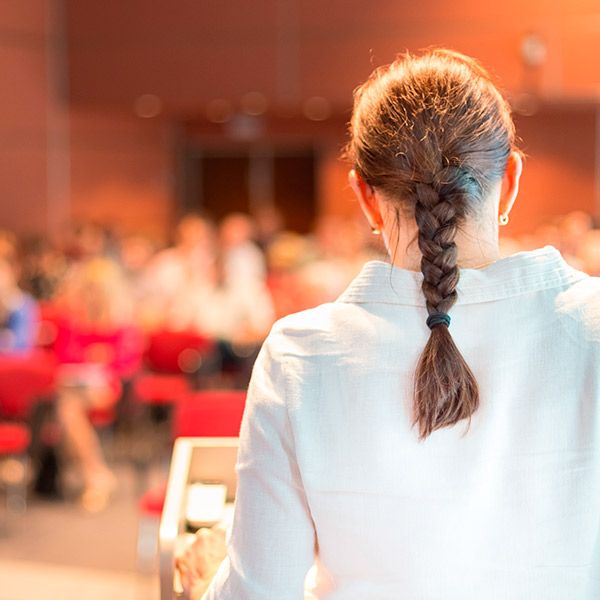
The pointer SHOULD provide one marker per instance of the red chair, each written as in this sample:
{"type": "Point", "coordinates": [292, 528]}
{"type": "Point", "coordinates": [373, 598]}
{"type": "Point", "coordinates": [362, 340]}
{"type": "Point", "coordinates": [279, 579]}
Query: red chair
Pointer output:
{"type": "Point", "coordinates": [24, 380]}
{"type": "Point", "coordinates": [150, 508]}
{"type": "Point", "coordinates": [210, 413]}
{"type": "Point", "coordinates": [177, 351]}
{"type": "Point", "coordinates": [171, 357]}
{"type": "Point", "coordinates": [104, 417]}
{"type": "Point", "coordinates": [48, 326]}
{"type": "Point", "coordinates": [14, 443]}
{"type": "Point", "coordinates": [14, 439]}
{"type": "Point", "coordinates": [118, 348]}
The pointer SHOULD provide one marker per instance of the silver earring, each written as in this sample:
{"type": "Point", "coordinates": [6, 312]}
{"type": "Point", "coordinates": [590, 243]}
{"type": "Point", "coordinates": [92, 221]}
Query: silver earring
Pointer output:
{"type": "Point", "coordinates": [375, 231]}
{"type": "Point", "coordinates": [503, 220]}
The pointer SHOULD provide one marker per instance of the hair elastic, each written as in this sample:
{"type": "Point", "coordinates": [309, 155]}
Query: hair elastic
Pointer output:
{"type": "Point", "coordinates": [436, 319]}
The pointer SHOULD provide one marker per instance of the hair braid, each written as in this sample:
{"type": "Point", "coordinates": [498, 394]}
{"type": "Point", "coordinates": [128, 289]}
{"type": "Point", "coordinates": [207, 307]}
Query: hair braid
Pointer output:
{"type": "Point", "coordinates": [439, 207]}
{"type": "Point", "coordinates": [437, 221]}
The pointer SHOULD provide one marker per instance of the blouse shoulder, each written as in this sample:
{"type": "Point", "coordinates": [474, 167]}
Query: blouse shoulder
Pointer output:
{"type": "Point", "coordinates": [300, 333]}
{"type": "Point", "coordinates": [315, 331]}
{"type": "Point", "coordinates": [312, 320]}
{"type": "Point", "coordinates": [580, 304]}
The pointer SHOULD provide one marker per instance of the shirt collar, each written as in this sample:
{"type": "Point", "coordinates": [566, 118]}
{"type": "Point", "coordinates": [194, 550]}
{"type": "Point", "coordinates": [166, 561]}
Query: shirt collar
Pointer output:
{"type": "Point", "coordinates": [513, 275]}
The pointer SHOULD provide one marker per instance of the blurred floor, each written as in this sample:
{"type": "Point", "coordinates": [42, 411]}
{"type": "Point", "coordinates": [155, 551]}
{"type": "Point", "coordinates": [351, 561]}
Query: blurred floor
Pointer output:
{"type": "Point", "coordinates": [26, 580]}
{"type": "Point", "coordinates": [59, 550]}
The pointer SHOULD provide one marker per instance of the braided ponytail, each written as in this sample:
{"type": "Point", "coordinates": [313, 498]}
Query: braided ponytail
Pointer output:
{"type": "Point", "coordinates": [445, 388]}
{"type": "Point", "coordinates": [433, 134]}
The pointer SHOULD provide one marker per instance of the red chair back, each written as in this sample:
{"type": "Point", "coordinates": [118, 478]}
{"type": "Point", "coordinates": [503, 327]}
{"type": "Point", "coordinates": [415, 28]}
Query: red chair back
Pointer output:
{"type": "Point", "coordinates": [119, 348]}
{"type": "Point", "coordinates": [49, 319]}
{"type": "Point", "coordinates": [176, 351]}
{"type": "Point", "coordinates": [23, 381]}
{"type": "Point", "coordinates": [14, 438]}
{"type": "Point", "coordinates": [209, 413]}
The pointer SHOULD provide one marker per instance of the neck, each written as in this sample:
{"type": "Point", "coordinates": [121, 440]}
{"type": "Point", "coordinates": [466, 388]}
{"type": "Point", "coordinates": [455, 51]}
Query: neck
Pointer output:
{"type": "Point", "coordinates": [477, 248]}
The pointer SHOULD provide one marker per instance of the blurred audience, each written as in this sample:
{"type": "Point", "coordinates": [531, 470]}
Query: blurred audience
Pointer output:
{"type": "Point", "coordinates": [232, 280]}
{"type": "Point", "coordinates": [42, 267]}
{"type": "Point", "coordinates": [574, 234]}
{"type": "Point", "coordinates": [173, 274]}
{"type": "Point", "coordinates": [588, 258]}
{"type": "Point", "coordinates": [136, 253]}
{"type": "Point", "coordinates": [286, 258]}
{"type": "Point", "coordinates": [242, 261]}
{"type": "Point", "coordinates": [269, 225]}
{"type": "Point", "coordinates": [572, 229]}
{"type": "Point", "coordinates": [103, 295]}
{"type": "Point", "coordinates": [340, 252]}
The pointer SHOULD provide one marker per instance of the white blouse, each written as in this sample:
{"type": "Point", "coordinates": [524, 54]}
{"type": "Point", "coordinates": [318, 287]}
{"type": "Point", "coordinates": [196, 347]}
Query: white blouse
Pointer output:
{"type": "Point", "coordinates": [332, 473]}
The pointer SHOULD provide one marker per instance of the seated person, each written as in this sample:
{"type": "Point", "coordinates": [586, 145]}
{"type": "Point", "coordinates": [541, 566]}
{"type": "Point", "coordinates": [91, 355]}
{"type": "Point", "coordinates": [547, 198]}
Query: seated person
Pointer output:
{"type": "Point", "coordinates": [96, 347]}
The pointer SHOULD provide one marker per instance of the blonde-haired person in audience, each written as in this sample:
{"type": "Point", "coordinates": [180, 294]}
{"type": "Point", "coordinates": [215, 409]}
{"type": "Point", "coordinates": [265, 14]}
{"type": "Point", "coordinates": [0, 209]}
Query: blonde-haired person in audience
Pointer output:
{"type": "Point", "coordinates": [96, 346]}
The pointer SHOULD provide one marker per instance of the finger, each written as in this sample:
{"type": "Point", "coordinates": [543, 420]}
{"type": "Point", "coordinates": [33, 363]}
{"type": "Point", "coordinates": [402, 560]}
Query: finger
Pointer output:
{"type": "Point", "coordinates": [181, 566]}
{"type": "Point", "coordinates": [178, 586]}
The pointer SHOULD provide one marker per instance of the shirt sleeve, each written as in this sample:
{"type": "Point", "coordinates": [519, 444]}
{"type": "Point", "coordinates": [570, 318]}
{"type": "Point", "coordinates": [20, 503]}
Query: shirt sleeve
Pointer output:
{"type": "Point", "coordinates": [272, 543]}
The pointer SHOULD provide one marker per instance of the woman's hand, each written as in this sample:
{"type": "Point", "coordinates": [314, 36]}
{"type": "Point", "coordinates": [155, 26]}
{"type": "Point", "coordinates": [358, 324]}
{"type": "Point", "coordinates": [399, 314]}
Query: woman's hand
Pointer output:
{"type": "Point", "coordinates": [200, 561]}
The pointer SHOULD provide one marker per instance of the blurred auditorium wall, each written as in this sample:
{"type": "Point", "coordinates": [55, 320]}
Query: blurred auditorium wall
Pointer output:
{"type": "Point", "coordinates": [561, 164]}
{"type": "Point", "coordinates": [121, 171]}
{"type": "Point", "coordinates": [75, 145]}
{"type": "Point", "coordinates": [34, 161]}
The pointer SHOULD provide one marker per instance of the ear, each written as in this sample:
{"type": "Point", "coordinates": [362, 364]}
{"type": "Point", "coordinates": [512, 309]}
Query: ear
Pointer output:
{"type": "Point", "coordinates": [510, 183]}
{"type": "Point", "coordinates": [367, 199]}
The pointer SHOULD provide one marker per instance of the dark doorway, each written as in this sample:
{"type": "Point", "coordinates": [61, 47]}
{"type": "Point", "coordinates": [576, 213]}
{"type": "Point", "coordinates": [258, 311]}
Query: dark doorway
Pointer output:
{"type": "Point", "coordinates": [224, 181]}
{"type": "Point", "coordinates": [224, 184]}
{"type": "Point", "coordinates": [295, 190]}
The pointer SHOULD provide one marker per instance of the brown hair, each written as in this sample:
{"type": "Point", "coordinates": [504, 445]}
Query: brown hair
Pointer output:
{"type": "Point", "coordinates": [433, 134]}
